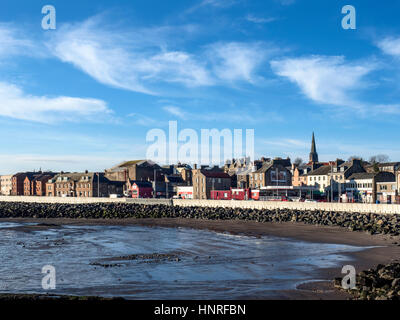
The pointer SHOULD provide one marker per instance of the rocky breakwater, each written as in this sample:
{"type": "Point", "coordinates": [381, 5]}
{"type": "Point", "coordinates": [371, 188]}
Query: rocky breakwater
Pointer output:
{"type": "Point", "coordinates": [371, 223]}
{"type": "Point", "coordinates": [380, 283]}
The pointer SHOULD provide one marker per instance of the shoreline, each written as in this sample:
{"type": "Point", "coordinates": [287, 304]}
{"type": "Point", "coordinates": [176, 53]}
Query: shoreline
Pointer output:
{"type": "Point", "coordinates": [383, 251]}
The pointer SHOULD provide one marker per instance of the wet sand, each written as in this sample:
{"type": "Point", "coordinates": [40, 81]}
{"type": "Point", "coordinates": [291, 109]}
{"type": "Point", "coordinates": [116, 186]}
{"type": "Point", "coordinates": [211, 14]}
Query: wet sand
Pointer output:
{"type": "Point", "coordinates": [386, 248]}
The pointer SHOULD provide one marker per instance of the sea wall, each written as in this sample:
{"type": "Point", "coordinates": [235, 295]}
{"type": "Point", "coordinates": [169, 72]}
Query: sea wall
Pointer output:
{"type": "Point", "coordinates": [261, 205]}
{"type": "Point", "coordinates": [71, 200]}
{"type": "Point", "coordinates": [303, 206]}
{"type": "Point", "coordinates": [367, 222]}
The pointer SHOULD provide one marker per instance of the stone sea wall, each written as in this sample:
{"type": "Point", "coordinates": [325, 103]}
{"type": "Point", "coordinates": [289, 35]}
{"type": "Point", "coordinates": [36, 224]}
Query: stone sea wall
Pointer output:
{"type": "Point", "coordinates": [380, 283]}
{"type": "Point", "coordinates": [271, 205]}
{"type": "Point", "coordinates": [73, 200]}
{"type": "Point", "coordinates": [261, 205]}
{"type": "Point", "coordinates": [372, 223]}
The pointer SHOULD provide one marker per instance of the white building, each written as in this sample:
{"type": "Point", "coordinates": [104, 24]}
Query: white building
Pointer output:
{"type": "Point", "coordinates": [184, 192]}
{"type": "Point", "coordinates": [360, 187]}
{"type": "Point", "coordinates": [6, 185]}
{"type": "Point", "coordinates": [319, 178]}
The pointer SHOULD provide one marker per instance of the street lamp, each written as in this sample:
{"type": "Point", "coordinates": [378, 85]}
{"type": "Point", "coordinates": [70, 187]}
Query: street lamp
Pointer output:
{"type": "Point", "coordinates": [155, 182]}
{"type": "Point", "coordinates": [331, 182]}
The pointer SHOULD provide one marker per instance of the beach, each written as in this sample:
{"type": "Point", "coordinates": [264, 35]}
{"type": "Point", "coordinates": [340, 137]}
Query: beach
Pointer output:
{"type": "Point", "coordinates": [379, 249]}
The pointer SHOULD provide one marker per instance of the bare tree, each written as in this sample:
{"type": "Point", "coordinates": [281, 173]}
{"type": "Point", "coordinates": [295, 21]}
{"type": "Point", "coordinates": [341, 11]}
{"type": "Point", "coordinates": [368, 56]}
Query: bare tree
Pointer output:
{"type": "Point", "coordinates": [355, 158]}
{"type": "Point", "coordinates": [298, 161]}
{"type": "Point", "coordinates": [379, 158]}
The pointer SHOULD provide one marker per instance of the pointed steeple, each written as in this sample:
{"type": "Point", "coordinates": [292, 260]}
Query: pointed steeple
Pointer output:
{"type": "Point", "coordinates": [313, 154]}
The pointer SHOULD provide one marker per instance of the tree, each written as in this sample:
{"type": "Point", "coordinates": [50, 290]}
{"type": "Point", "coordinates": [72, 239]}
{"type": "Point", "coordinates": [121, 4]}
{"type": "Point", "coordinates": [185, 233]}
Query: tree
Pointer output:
{"type": "Point", "coordinates": [298, 161]}
{"type": "Point", "coordinates": [355, 158]}
{"type": "Point", "coordinates": [379, 158]}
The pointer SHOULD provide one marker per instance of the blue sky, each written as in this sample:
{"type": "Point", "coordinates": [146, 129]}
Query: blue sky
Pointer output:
{"type": "Point", "coordinates": [84, 96]}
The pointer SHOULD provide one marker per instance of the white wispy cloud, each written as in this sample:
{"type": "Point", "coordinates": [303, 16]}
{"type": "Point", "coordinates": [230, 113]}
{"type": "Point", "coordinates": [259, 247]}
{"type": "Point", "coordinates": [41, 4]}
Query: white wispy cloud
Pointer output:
{"type": "Point", "coordinates": [211, 3]}
{"type": "Point", "coordinates": [233, 61]}
{"type": "Point", "coordinates": [176, 111]}
{"type": "Point", "coordinates": [218, 3]}
{"type": "Point", "coordinates": [325, 79]}
{"type": "Point", "coordinates": [141, 61]}
{"type": "Point", "coordinates": [287, 143]}
{"type": "Point", "coordinates": [14, 42]}
{"type": "Point", "coordinates": [15, 103]}
{"type": "Point", "coordinates": [235, 115]}
{"type": "Point", "coordinates": [259, 20]}
{"type": "Point", "coordinates": [390, 46]}
{"type": "Point", "coordinates": [126, 60]}
{"type": "Point", "coordinates": [145, 121]}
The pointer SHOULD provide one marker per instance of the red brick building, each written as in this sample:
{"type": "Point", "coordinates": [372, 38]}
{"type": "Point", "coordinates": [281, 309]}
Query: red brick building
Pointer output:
{"type": "Point", "coordinates": [141, 189]}
{"type": "Point", "coordinates": [35, 184]}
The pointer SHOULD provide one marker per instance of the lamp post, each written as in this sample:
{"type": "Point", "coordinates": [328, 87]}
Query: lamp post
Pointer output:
{"type": "Point", "coordinates": [331, 182]}
{"type": "Point", "coordinates": [155, 182]}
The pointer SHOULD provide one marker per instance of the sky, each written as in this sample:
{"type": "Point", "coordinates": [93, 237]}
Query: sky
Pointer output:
{"type": "Point", "coordinates": [85, 94]}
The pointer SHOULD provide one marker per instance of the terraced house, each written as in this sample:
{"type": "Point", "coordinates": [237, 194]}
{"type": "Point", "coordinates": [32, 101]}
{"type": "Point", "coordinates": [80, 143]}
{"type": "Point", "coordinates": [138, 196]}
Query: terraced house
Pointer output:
{"type": "Point", "coordinates": [320, 178]}
{"type": "Point", "coordinates": [368, 187]}
{"type": "Point", "coordinates": [34, 183]}
{"type": "Point", "coordinates": [138, 170]}
{"type": "Point", "coordinates": [18, 181]}
{"type": "Point", "coordinates": [207, 179]}
{"type": "Point", "coordinates": [275, 173]}
{"type": "Point", "coordinates": [87, 184]}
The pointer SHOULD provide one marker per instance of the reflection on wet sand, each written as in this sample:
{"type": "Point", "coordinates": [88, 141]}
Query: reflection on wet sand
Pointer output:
{"type": "Point", "coordinates": [138, 262]}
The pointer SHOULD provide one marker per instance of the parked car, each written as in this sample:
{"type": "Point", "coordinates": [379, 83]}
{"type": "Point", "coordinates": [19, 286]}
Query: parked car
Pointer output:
{"type": "Point", "coordinates": [311, 201]}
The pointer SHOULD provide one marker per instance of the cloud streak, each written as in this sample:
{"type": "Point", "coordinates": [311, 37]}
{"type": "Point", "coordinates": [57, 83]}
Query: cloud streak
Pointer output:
{"type": "Point", "coordinates": [235, 116]}
{"type": "Point", "coordinates": [390, 46]}
{"type": "Point", "coordinates": [15, 103]}
{"type": "Point", "coordinates": [325, 79]}
{"type": "Point", "coordinates": [235, 61]}
{"type": "Point", "coordinates": [111, 59]}
{"type": "Point", "coordinates": [14, 43]}
{"type": "Point", "coordinates": [125, 60]}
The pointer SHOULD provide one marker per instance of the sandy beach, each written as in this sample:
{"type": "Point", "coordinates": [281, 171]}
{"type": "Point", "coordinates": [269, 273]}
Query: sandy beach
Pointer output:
{"type": "Point", "coordinates": [385, 248]}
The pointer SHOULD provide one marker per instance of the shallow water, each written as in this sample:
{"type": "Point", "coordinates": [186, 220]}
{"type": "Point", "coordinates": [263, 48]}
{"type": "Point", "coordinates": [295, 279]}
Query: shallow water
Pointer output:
{"type": "Point", "coordinates": [201, 265]}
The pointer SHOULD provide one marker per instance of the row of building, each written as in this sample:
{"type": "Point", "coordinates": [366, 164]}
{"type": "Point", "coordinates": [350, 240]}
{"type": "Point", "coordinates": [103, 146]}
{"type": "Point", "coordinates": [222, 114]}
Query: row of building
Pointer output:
{"type": "Point", "coordinates": [265, 179]}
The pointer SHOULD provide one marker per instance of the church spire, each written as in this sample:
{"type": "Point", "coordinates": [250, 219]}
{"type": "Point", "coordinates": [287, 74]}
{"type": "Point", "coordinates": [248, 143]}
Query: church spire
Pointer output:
{"type": "Point", "coordinates": [313, 154]}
